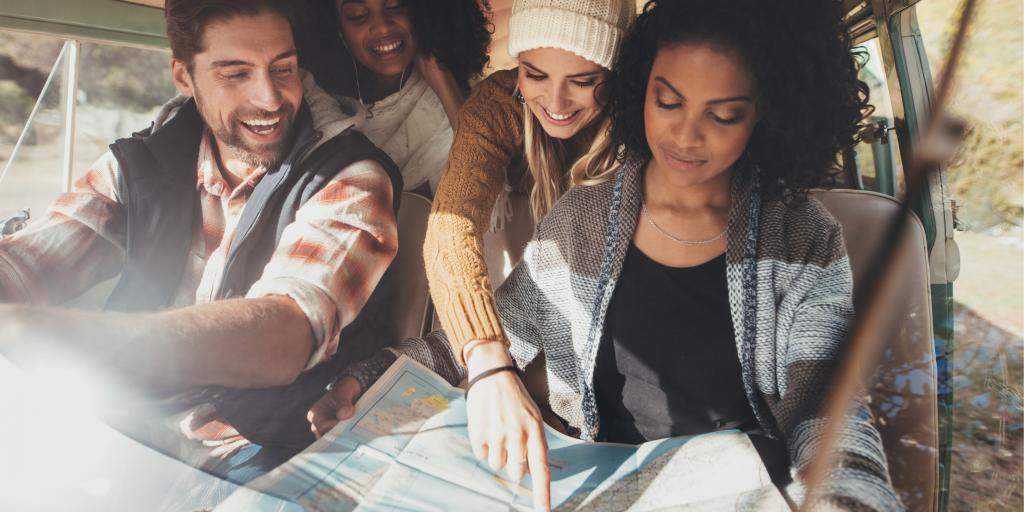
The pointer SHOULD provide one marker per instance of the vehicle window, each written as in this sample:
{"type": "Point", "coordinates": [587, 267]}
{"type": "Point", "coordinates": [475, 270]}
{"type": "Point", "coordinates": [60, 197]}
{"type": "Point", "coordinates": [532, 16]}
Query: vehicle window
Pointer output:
{"type": "Point", "coordinates": [33, 177]}
{"type": "Point", "coordinates": [119, 90]}
{"type": "Point", "coordinates": [988, 189]}
{"type": "Point", "coordinates": [877, 158]}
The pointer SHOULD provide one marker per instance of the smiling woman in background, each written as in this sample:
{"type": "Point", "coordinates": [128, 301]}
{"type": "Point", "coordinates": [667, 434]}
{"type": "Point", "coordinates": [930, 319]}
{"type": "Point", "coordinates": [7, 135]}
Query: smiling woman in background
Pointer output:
{"type": "Point", "coordinates": [406, 65]}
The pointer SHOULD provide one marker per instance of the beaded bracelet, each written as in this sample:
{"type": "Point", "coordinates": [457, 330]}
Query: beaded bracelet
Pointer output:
{"type": "Point", "coordinates": [487, 373]}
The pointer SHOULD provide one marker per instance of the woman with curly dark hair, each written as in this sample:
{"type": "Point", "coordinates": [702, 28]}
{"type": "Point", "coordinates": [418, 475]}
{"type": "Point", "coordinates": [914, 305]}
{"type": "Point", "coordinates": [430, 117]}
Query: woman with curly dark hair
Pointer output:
{"type": "Point", "coordinates": [699, 288]}
{"type": "Point", "coordinates": [731, 290]}
{"type": "Point", "coordinates": [406, 64]}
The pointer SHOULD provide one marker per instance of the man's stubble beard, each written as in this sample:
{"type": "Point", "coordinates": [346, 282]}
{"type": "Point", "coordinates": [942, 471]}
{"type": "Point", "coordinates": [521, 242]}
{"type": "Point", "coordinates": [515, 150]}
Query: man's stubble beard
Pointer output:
{"type": "Point", "coordinates": [267, 157]}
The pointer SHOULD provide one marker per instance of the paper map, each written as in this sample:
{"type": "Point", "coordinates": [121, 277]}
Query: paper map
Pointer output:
{"type": "Point", "coordinates": [407, 448]}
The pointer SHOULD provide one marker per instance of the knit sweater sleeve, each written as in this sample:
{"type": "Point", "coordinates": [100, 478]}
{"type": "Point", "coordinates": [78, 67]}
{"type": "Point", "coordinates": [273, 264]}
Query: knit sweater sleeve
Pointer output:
{"type": "Point", "coordinates": [860, 479]}
{"type": "Point", "coordinates": [432, 351]}
{"type": "Point", "coordinates": [490, 134]}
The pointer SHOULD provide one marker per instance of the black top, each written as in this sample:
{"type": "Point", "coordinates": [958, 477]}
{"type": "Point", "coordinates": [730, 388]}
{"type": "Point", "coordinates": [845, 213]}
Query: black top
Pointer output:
{"type": "Point", "coordinates": [668, 364]}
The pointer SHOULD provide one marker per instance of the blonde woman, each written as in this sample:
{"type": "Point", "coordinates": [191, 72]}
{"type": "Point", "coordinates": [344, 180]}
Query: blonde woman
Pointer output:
{"type": "Point", "coordinates": [546, 115]}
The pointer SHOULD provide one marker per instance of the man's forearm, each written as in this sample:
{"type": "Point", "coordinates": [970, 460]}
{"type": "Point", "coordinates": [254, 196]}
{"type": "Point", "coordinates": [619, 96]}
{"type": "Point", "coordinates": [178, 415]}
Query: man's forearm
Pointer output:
{"type": "Point", "coordinates": [235, 343]}
{"type": "Point", "coordinates": [241, 343]}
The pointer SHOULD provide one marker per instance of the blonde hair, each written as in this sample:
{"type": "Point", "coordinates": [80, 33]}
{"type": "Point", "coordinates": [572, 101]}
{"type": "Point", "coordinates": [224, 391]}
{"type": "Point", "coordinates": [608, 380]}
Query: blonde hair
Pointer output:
{"type": "Point", "coordinates": [547, 158]}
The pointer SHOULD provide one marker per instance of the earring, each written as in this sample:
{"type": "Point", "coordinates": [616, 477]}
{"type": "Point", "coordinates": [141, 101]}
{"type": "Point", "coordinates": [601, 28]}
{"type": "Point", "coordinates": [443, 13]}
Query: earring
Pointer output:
{"type": "Point", "coordinates": [519, 97]}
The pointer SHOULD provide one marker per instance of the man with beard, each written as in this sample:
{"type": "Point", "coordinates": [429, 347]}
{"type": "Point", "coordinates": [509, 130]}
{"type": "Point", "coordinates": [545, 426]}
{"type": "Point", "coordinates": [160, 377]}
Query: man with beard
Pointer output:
{"type": "Point", "coordinates": [249, 227]}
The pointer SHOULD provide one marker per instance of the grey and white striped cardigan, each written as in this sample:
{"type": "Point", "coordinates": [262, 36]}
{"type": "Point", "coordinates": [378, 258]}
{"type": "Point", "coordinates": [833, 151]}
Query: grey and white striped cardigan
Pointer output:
{"type": "Point", "coordinates": [790, 294]}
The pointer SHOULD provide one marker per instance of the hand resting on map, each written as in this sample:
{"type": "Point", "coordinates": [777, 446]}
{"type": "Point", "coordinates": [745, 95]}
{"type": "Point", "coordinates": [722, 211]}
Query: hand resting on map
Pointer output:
{"type": "Point", "coordinates": [338, 404]}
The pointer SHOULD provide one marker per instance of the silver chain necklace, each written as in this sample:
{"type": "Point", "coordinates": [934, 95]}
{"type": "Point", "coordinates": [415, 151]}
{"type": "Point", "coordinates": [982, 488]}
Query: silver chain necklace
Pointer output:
{"type": "Point", "coordinates": [680, 241]}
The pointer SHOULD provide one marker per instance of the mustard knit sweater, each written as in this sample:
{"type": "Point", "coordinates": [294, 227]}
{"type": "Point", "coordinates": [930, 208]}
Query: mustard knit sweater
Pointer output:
{"type": "Point", "coordinates": [489, 138]}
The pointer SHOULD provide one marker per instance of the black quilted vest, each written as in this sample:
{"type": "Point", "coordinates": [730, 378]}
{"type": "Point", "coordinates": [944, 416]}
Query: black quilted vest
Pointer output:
{"type": "Point", "coordinates": [158, 190]}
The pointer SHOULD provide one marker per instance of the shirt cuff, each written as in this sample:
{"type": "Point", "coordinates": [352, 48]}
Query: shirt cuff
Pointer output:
{"type": "Point", "coordinates": [315, 303]}
{"type": "Point", "coordinates": [368, 371]}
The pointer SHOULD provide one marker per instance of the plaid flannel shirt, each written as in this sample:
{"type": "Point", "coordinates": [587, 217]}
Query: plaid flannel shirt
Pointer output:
{"type": "Point", "coordinates": [328, 261]}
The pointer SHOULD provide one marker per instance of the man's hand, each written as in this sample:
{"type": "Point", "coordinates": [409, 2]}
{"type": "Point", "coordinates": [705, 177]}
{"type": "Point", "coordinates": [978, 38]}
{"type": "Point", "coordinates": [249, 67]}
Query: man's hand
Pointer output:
{"type": "Point", "coordinates": [505, 425]}
{"type": "Point", "coordinates": [335, 406]}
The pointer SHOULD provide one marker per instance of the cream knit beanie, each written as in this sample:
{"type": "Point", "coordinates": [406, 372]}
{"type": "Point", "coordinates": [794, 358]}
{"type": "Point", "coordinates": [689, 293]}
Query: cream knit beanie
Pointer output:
{"type": "Point", "coordinates": [591, 29]}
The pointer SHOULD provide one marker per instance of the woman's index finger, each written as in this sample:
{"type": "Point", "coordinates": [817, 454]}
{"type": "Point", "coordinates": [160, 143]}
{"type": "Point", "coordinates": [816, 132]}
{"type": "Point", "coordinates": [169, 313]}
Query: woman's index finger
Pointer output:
{"type": "Point", "coordinates": [540, 472]}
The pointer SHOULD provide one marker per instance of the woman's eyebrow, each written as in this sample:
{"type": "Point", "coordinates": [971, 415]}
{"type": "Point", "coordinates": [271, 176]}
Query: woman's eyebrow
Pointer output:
{"type": "Point", "coordinates": [716, 101]}
{"type": "Point", "coordinates": [535, 68]}
{"type": "Point", "coordinates": [731, 99]}
{"type": "Point", "coordinates": [666, 84]}
{"type": "Point", "coordinates": [576, 75]}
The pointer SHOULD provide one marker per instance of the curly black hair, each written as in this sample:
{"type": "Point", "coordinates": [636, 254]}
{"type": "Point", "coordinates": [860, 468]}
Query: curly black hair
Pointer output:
{"type": "Point", "coordinates": [456, 32]}
{"type": "Point", "coordinates": [810, 102]}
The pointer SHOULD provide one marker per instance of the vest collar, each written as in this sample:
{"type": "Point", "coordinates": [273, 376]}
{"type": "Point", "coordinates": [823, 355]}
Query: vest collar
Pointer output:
{"type": "Point", "coordinates": [176, 142]}
{"type": "Point", "coordinates": [175, 145]}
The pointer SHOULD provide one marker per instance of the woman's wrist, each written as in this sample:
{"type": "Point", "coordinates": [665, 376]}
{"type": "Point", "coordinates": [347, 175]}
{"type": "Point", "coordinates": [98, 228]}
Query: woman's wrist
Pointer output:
{"type": "Point", "coordinates": [482, 355]}
{"type": "Point", "coordinates": [488, 373]}
{"type": "Point", "coordinates": [451, 100]}
{"type": "Point", "coordinates": [448, 91]}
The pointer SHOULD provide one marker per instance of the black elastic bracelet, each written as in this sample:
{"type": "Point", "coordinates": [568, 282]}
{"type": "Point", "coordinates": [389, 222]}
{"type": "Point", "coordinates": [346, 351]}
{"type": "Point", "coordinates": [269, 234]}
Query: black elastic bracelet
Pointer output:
{"type": "Point", "coordinates": [487, 373]}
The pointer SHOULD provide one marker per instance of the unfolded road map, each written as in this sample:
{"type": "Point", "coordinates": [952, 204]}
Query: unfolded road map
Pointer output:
{"type": "Point", "coordinates": [407, 448]}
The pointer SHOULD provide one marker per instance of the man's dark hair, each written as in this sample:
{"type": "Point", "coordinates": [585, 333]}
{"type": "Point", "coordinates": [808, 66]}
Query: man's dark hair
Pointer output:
{"type": "Point", "coordinates": [187, 19]}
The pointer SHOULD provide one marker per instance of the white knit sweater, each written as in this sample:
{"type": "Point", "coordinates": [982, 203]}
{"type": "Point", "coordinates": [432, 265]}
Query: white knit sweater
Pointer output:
{"type": "Point", "coordinates": [411, 127]}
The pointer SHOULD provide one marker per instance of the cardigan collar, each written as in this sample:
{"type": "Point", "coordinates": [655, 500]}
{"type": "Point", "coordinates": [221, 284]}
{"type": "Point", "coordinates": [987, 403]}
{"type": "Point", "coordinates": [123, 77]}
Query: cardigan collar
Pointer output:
{"type": "Point", "coordinates": [741, 272]}
{"type": "Point", "coordinates": [742, 229]}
